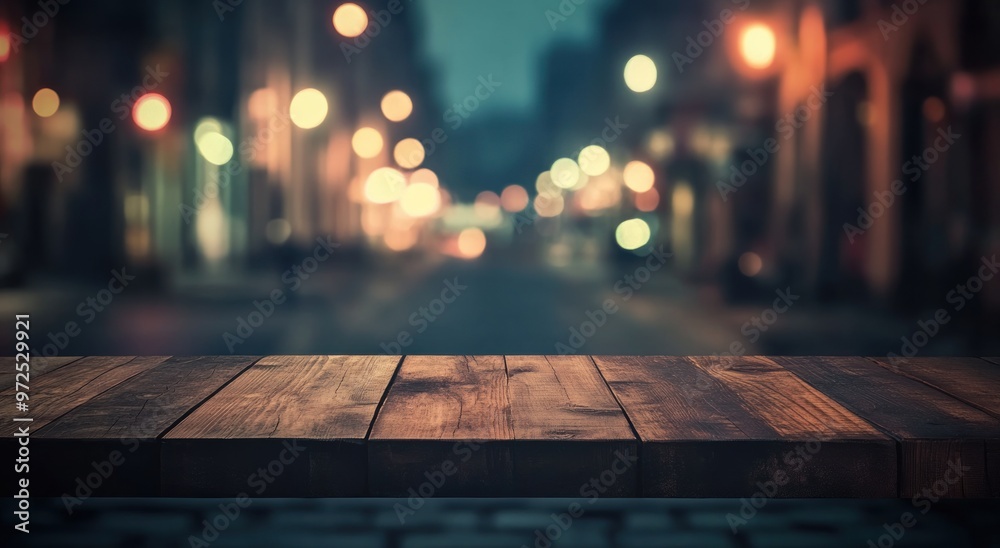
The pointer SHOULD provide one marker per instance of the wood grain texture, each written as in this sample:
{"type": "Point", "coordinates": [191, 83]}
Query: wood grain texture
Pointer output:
{"type": "Point", "coordinates": [733, 427]}
{"type": "Point", "coordinates": [39, 365]}
{"type": "Point", "coordinates": [933, 428]}
{"type": "Point", "coordinates": [971, 380]}
{"type": "Point", "coordinates": [52, 396]}
{"type": "Point", "coordinates": [560, 406]}
{"type": "Point", "coordinates": [123, 424]}
{"type": "Point", "coordinates": [502, 426]}
{"type": "Point", "coordinates": [444, 417]}
{"type": "Point", "coordinates": [311, 414]}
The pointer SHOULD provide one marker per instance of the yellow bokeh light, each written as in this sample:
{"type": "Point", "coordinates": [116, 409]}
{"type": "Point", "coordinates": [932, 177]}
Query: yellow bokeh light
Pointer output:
{"type": "Point", "coordinates": [594, 160]}
{"type": "Point", "coordinates": [45, 103]}
{"type": "Point", "coordinates": [471, 243]}
{"type": "Point", "coordinates": [632, 234]}
{"type": "Point", "coordinates": [514, 198]}
{"type": "Point", "coordinates": [409, 153]}
{"type": "Point", "coordinates": [397, 106]}
{"type": "Point", "coordinates": [420, 200]}
{"type": "Point", "coordinates": [545, 187]}
{"type": "Point", "coordinates": [308, 108]}
{"type": "Point", "coordinates": [565, 173]}
{"type": "Point", "coordinates": [350, 20]}
{"type": "Point", "coordinates": [425, 176]}
{"type": "Point", "coordinates": [384, 186]}
{"type": "Point", "coordinates": [639, 176]}
{"type": "Point", "coordinates": [215, 148]}
{"type": "Point", "coordinates": [758, 46]}
{"type": "Point", "coordinates": [640, 74]}
{"type": "Point", "coordinates": [151, 112]}
{"type": "Point", "coordinates": [367, 142]}
{"type": "Point", "coordinates": [682, 200]}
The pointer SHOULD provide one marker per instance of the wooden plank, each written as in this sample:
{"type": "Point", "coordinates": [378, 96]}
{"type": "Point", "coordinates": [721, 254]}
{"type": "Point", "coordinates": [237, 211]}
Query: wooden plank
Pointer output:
{"type": "Point", "coordinates": [445, 429]}
{"type": "Point", "coordinates": [303, 418]}
{"type": "Point", "coordinates": [118, 430]}
{"type": "Point", "coordinates": [38, 365]}
{"type": "Point", "coordinates": [735, 427]}
{"type": "Point", "coordinates": [972, 380]}
{"type": "Point", "coordinates": [935, 430]}
{"type": "Point", "coordinates": [54, 395]}
{"type": "Point", "coordinates": [568, 429]}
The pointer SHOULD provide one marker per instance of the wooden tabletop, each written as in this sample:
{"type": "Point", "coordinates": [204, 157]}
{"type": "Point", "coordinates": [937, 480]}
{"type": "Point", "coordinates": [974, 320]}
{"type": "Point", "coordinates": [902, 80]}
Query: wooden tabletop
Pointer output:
{"type": "Point", "coordinates": [498, 426]}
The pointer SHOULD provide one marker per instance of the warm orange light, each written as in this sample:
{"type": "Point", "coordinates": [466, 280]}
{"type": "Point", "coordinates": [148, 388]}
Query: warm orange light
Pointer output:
{"type": "Point", "coordinates": [648, 201]}
{"type": "Point", "coordinates": [350, 20]}
{"type": "Point", "coordinates": [758, 46]}
{"type": "Point", "coordinates": [4, 44]}
{"type": "Point", "coordinates": [639, 176]}
{"type": "Point", "coordinates": [514, 199]}
{"type": "Point", "coordinates": [45, 102]}
{"type": "Point", "coordinates": [750, 264]}
{"type": "Point", "coordinates": [367, 142]}
{"type": "Point", "coordinates": [471, 243]}
{"type": "Point", "coordinates": [397, 106]}
{"type": "Point", "coordinates": [151, 112]}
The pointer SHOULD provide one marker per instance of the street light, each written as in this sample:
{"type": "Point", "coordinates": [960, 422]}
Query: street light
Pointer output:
{"type": "Point", "coordinates": [640, 74]}
{"type": "Point", "coordinates": [350, 20]}
{"type": "Point", "coordinates": [758, 46]}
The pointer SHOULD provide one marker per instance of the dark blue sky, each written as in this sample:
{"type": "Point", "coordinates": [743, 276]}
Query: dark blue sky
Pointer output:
{"type": "Point", "coordinates": [466, 39]}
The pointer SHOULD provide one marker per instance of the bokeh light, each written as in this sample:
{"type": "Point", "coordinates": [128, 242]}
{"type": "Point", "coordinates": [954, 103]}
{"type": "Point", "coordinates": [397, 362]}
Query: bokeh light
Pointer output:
{"type": "Point", "coordinates": [409, 153]}
{"type": "Point", "coordinates": [758, 46]}
{"type": "Point", "coordinates": [399, 239]}
{"type": "Point", "coordinates": [151, 112]}
{"type": "Point", "coordinates": [420, 200]}
{"type": "Point", "coordinates": [648, 201]}
{"type": "Point", "coordinates": [425, 176]}
{"type": "Point", "coordinates": [594, 160]}
{"type": "Point", "coordinates": [549, 205]}
{"type": "Point", "coordinates": [683, 199]}
{"type": "Point", "coordinates": [397, 106]}
{"type": "Point", "coordinates": [544, 185]}
{"type": "Point", "coordinates": [350, 20]}
{"type": "Point", "coordinates": [471, 243]}
{"type": "Point", "coordinates": [565, 173]}
{"type": "Point", "coordinates": [215, 147]}
{"type": "Point", "coordinates": [262, 103]}
{"type": "Point", "coordinates": [514, 199]}
{"type": "Point", "coordinates": [367, 142]}
{"type": "Point", "coordinates": [4, 43]}
{"type": "Point", "coordinates": [45, 102]}
{"type": "Point", "coordinates": [632, 234]}
{"type": "Point", "coordinates": [278, 231]}
{"type": "Point", "coordinates": [750, 264]}
{"type": "Point", "coordinates": [308, 108]}
{"type": "Point", "coordinates": [487, 207]}
{"type": "Point", "coordinates": [640, 74]}
{"type": "Point", "coordinates": [638, 176]}
{"type": "Point", "coordinates": [384, 186]}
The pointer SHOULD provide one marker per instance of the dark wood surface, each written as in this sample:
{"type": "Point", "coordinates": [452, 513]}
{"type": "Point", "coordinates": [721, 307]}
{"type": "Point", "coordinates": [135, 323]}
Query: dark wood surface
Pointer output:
{"type": "Point", "coordinates": [566, 426]}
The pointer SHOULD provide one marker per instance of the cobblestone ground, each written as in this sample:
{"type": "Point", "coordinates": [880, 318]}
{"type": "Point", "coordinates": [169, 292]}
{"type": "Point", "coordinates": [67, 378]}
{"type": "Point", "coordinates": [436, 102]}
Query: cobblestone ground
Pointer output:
{"type": "Point", "coordinates": [513, 523]}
